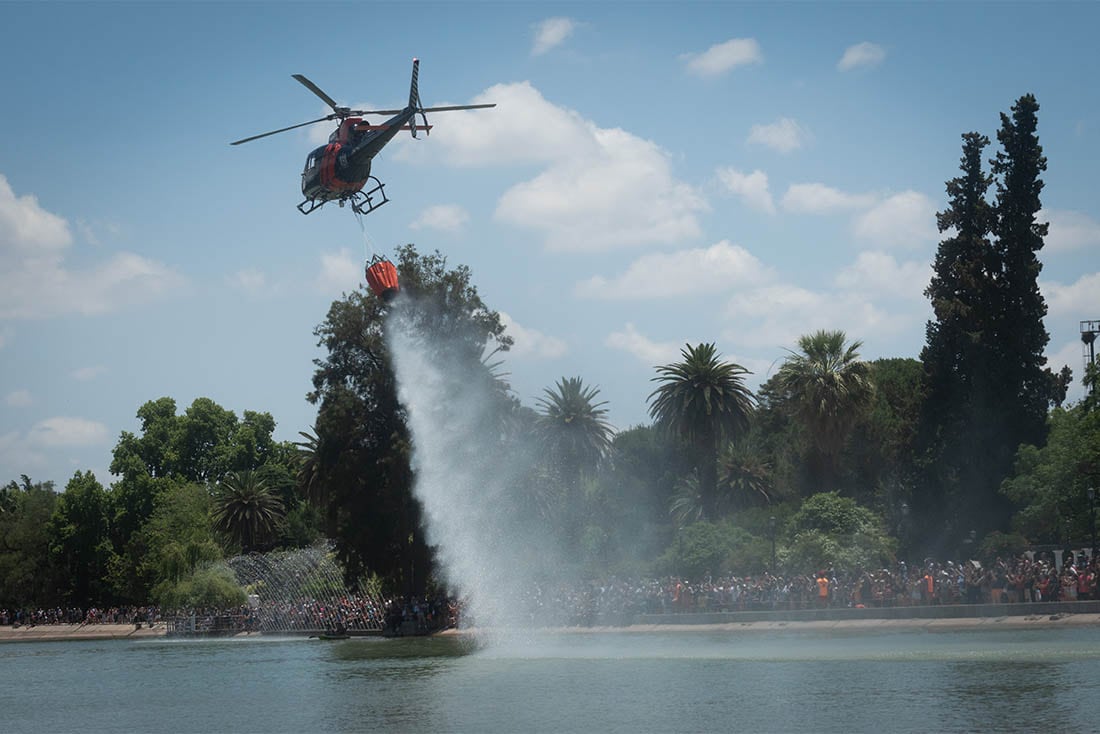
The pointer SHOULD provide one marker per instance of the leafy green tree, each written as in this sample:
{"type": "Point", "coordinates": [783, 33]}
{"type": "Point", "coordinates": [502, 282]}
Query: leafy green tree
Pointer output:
{"type": "Point", "coordinates": [704, 401]}
{"type": "Point", "coordinates": [199, 446]}
{"type": "Point", "coordinates": [833, 531]}
{"type": "Point", "coordinates": [27, 574]}
{"type": "Point", "coordinates": [576, 437]}
{"type": "Point", "coordinates": [1050, 484]}
{"type": "Point", "coordinates": [80, 544]}
{"type": "Point", "coordinates": [179, 536]}
{"type": "Point", "coordinates": [364, 469]}
{"type": "Point", "coordinates": [827, 387]}
{"type": "Point", "coordinates": [247, 510]}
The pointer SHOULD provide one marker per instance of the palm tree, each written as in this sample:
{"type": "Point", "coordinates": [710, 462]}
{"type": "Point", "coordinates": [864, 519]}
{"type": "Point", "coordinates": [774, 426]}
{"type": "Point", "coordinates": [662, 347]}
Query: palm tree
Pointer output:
{"type": "Point", "coordinates": [246, 509]}
{"type": "Point", "coordinates": [704, 401]}
{"type": "Point", "coordinates": [576, 436]}
{"type": "Point", "coordinates": [827, 387]}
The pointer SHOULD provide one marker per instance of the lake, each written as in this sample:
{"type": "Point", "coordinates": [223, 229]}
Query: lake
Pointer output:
{"type": "Point", "coordinates": [691, 681]}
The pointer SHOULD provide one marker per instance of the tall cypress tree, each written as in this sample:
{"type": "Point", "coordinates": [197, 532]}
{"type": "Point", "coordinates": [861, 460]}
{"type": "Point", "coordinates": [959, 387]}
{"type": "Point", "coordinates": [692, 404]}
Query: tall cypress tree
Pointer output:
{"type": "Point", "coordinates": [1022, 374]}
{"type": "Point", "coordinates": [957, 356]}
{"type": "Point", "coordinates": [986, 388]}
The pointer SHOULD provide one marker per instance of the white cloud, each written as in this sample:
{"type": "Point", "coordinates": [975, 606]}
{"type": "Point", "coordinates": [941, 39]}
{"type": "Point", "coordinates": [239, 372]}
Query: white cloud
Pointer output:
{"type": "Point", "coordinates": [777, 315]}
{"type": "Point", "coordinates": [880, 274]}
{"type": "Point", "coordinates": [722, 57]}
{"type": "Point", "coordinates": [907, 219]}
{"type": "Point", "coordinates": [85, 374]}
{"type": "Point", "coordinates": [340, 272]}
{"type": "Point", "coordinates": [1076, 300]}
{"type": "Point", "coordinates": [721, 266]}
{"type": "Point", "coordinates": [783, 135]}
{"type": "Point", "coordinates": [1069, 230]}
{"type": "Point", "coordinates": [530, 342]}
{"type": "Point", "coordinates": [444, 217]}
{"type": "Point", "coordinates": [249, 280]}
{"type": "Point", "coordinates": [649, 352]}
{"type": "Point", "coordinates": [66, 431]}
{"type": "Point", "coordinates": [16, 451]}
{"type": "Point", "coordinates": [35, 282]}
{"type": "Point", "coordinates": [550, 33]}
{"type": "Point", "coordinates": [26, 226]}
{"type": "Point", "coordinates": [817, 198]}
{"type": "Point", "coordinates": [751, 187]}
{"type": "Point", "coordinates": [599, 188]}
{"type": "Point", "coordinates": [861, 54]}
{"type": "Point", "coordinates": [19, 398]}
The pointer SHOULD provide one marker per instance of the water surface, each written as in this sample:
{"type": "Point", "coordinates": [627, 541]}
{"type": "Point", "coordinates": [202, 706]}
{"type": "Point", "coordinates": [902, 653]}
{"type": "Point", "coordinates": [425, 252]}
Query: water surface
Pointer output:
{"type": "Point", "coordinates": [1002, 680]}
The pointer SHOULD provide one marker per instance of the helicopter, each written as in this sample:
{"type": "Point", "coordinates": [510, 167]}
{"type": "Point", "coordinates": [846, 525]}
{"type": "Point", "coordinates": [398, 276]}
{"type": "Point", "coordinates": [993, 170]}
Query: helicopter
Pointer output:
{"type": "Point", "coordinates": [340, 170]}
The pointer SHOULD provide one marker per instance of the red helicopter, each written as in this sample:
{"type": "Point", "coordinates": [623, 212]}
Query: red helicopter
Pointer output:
{"type": "Point", "coordinates": [339, 171]}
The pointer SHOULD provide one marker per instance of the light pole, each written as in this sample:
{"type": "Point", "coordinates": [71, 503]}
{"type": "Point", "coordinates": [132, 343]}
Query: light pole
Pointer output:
{"type": "Point", "coordinates": [771, 527]}
{"type": "Point", "coordinates": [1092, 519]}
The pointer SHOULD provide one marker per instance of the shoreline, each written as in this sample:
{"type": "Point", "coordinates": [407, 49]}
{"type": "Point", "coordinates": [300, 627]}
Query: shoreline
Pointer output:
{"type": "Point", "coordinates": [85, 632]}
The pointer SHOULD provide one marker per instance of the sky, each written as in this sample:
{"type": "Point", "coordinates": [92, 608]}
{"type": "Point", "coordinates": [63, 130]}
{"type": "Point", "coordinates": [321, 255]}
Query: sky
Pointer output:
{"type": "Point", "coordinates": [654, 175]}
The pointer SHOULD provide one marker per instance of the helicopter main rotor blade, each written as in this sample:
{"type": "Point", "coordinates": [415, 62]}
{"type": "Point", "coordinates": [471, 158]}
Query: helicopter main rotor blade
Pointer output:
{"type": "Point", "coordinates": [317, 90]}
{"type": "Point", "coordinates": [424, 109]}
{"type": "Point", "coordinates": [283, 130]}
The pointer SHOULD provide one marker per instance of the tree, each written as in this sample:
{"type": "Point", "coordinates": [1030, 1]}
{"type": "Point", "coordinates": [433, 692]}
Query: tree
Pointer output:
{"type": "Point", "coordinates": [986, 390]}
{"type": "Point", "coordinates": [80, 543]}
{"type": "Point", "coordinates": [576, 437]}
{"type": "Point", "coordinates": [1018, 166]}
{"type": "Point", "coordinates": [247, 511]}
{"type": "Point", "coordinates": [829, 530]}
{"type": "Point", "coordinates": [27, 574]}
{"type": "Point", "coordinates": [364, 469]}
{"type": "Point", "coordinates": [1049, 486]}
{"type": "Point", "coordinates": [827, 388]}
{"type": "Point", "coordinates": [705, 402]}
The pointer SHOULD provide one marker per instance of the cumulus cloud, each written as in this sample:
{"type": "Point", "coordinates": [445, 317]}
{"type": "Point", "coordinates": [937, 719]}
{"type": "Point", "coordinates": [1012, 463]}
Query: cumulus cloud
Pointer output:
{"type": "Point", "coordinates": [19, 398]}
{"type": "Point", "coordinates": [550, 33]}
{"type": "Point", "coordinates": [649, 352]}
{"type": "Point", "coordinates": [35, 281]}
{"type": "Point", "coordinates": [722, 57]}
{"type": "Point", "coordinates": [907, 219]}
{"type": "Point", "coordinates": [443, 217]}
{"type": "Point", "coordinates": [783, 135]}
{"type": "Point", "coordinates": [751, 187]}
{"type": "Point", "coordinates": [817, 198]}
{"type": "Point", "coordinates": [1073, 300]}
{"type": "Point", "coordinates": [598, 188]}
{"type": "Point", "coordinates": [531, 342]}
{"type": "Point", "coordinates": [340, 272]}
{"type": "Point", "coordinates": [880, 274]}
{"type": "Point", "coordinates": [862, 54]}
{"type": "Point", "coordinates": [666, 275]}
{"type": "Point", "coordinates": [777, 315]}
{"type": "Point", "coordinates": [84, 374]}
{"type": "Point", "coordinates": [67, 431]}
{"type": "Point", "coordinates": [1069, 230]}
{"type": "Point", "coordinates": [249, 280]}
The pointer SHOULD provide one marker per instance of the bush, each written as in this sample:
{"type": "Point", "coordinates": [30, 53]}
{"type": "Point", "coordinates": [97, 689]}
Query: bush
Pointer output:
{"type": "Point", "coordinates": [214, 586]}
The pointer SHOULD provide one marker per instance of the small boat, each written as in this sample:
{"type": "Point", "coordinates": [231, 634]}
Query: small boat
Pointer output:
{"type": "Point", "coordinates": [333, 636]}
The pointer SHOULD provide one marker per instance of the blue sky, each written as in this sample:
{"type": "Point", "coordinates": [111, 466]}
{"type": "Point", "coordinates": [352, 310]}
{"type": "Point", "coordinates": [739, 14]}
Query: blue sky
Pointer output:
{"type": "Point", "coordinates": [654, 174]}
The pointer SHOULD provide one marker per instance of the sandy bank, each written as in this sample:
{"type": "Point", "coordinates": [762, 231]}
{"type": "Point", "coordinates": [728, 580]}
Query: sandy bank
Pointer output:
{"type": "Point", "coordinates": [48, 632]}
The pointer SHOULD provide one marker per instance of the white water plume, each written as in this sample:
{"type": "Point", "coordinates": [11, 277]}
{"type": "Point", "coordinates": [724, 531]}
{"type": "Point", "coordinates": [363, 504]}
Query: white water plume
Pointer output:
{"type": "Point", "coordinates": [468, 474]}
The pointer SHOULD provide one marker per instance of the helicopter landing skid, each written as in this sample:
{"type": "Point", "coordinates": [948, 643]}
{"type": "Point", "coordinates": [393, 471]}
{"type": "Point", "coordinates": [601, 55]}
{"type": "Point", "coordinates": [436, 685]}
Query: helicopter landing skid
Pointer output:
{"type": "Point", "coordinates": [361, 201]}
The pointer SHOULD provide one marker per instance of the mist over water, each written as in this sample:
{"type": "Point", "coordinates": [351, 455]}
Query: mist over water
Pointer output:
{"type": "Point", "coordinates": [468, 472]}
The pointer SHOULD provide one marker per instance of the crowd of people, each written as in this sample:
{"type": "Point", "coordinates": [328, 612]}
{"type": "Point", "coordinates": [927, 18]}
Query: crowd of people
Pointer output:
{"type": "Point", "coordinates": [75, 615]}
{"type": "Point", "coordinates": [1025, 579]}
{"type": "Point", "coordinates": [616, 601]}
